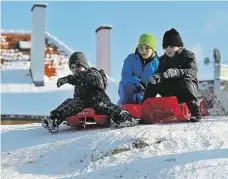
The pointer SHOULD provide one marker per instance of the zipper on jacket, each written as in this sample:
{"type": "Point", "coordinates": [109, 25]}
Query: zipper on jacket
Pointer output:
{"type": "Point", "coordinates": [143, 66]}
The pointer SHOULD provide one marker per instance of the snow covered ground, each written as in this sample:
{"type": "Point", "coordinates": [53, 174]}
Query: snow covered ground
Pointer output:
{"type": "Point", "coordinates": [19, 96]}
{"type": "Point", "coordinates": [186, 150]}
{"type": "Point", "coordinates": [42, 100]}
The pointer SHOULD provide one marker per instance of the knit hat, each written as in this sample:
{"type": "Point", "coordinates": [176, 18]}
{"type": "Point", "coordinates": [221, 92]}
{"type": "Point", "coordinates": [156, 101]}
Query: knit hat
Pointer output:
{"type": "Point", "coordinates": [78, 58]}
{"type": "Point", "coordinates": [172, 38]}
{"type": "Point", "coordinates": [147, 39]}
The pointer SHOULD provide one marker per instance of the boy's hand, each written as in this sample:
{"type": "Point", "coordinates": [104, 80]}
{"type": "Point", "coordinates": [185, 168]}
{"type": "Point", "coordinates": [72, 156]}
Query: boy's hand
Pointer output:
{"type": "Point", "coordinates": [142, 84]}
{"type": "Point", "coordinates": [62, 81]}
{"type": "Point", "coordinates": [170, 73]}
{"type": "Point", "coordinates": [157, 78]}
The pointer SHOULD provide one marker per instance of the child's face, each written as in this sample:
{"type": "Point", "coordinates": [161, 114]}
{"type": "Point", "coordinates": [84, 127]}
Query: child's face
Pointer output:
{"type": "Point", "coordinates": [145, 51]}
{"type": "Point", "coordinates": [75, 68]}
{"type": "Point", "coordinates": [170, 51]}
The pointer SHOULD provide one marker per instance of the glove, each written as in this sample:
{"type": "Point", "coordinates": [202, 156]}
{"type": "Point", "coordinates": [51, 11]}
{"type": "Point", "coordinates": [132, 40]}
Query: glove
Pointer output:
{"type": "Point", "coordinates": [142, 84]}
{"type": "Point", "coordinates": [62, 81]}
{"type": "Point", "coordinates": [170, 73]}
{"type": "Point", "coordinates": [157, 78]}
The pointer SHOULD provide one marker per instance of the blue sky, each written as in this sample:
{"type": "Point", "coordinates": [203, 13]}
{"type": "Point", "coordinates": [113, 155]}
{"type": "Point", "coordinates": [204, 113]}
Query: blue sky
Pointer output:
{"type": "Point", "coordinates": [202, 25]}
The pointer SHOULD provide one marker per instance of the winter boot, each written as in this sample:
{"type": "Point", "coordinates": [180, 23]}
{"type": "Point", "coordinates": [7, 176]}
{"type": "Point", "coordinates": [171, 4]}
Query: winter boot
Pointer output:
{"type": "Point", "coordinates": [126, 120]}
{"type": "Point", "coordinates": [194, 107]}
{"type": "Point", "coordinates": [51, 122]}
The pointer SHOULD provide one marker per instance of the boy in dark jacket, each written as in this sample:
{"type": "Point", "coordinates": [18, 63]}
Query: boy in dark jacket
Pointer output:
{"type": "Point", "coordinates": [176, 75]}
{"type": "Point", "coordinates": [90, 85]}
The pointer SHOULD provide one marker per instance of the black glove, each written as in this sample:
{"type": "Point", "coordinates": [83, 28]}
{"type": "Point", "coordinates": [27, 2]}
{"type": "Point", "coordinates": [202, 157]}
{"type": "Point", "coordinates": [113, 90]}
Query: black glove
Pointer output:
{"type": "Point", "coordinates": [142, 84]}
{"type": "Point", "coordinates": [62, 81]}
{"type": "Point", "coordinates": [157, 78]}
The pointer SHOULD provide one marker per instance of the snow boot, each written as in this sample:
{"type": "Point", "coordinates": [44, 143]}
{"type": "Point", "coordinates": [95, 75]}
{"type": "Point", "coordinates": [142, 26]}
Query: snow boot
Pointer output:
{"type": "Point", "coordinates": [194, 107]}
{"type": "Point", "coordinates": [126, 120]}
{"type": "Point", "coordinates": [51, 122]}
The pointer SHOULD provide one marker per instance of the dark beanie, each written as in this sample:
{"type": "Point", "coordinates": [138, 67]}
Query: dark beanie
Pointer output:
{"type": "Point", "coordinates": [172, 38]}
{"type": "Point", "coordinates": [78, 58]}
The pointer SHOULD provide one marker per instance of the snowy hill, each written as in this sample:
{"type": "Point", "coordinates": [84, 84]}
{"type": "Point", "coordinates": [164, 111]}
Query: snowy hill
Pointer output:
{"type": "Point", "coordinates": [186, 150]}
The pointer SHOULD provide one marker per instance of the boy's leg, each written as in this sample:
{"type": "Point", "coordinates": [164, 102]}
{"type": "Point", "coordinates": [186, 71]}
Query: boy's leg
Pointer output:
{"type": "Point", "coordinates": [104, 106]}
{"type": "Point", "coordinates": [187, 92]}
{"type": "Point", "coordinates": [164, 89]}
{"type": "Point", "coordinates": [68, 108]}
{"type": "Point", "coordinates": [184, 90]}
{"type": "Point", "coordinates": [126, 92]}
{"type": "Point", "coordinates": [150, 91]}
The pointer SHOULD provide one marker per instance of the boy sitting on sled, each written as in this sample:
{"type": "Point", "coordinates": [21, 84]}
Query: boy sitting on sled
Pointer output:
{"type": "Point", "coordinates": [176, 75]}
{"type": "Point", "coordinates": [89, 92]}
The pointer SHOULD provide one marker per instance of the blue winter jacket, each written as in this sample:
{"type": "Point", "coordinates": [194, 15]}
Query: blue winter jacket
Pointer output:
{"type": "Point", "coordinates": [133, 69]}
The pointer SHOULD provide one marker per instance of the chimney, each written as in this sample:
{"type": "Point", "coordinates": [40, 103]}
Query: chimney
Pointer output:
{"type": "Point", "coordinates": [37, 52]}
{"type": "Point", "coordinates": [103, 34]}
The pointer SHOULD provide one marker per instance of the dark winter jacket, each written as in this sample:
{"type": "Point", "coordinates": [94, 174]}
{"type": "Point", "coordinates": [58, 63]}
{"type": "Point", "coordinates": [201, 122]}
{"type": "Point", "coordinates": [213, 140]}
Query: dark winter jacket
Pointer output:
{"type": "Point", "coordinates": [184, 65]}
{"type": "Point", "coordinates": [88, 83]}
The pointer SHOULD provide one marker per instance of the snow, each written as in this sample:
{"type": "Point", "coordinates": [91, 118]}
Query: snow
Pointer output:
{"type": "Point", "coordinates": [19, 96]}
{"type": "Point", "coordinates": [33, 103]}
{"type": "Point", "coordinates": [52, 39]}
{"type": "Point", "coordinates": [185, 150]}
{"type": "Point", "coordinates": [21, 76]}
{"type": "Point", "coordinates": [41, 100]}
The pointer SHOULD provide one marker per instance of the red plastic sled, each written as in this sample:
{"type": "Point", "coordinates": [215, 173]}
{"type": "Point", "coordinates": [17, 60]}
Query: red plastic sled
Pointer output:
{"type": "Point", "coordinates": [167, 110]}
{"type": "Point", "coordinates": [164, 110]}
{"type": "Point", "coordinates": [203, 109]}
{"type": "Point", "coordinates": [153, 110]}
{"type": "Point", "coordinates": [133, 109]}
{"type": "Point", "coordinates": [89, 117]}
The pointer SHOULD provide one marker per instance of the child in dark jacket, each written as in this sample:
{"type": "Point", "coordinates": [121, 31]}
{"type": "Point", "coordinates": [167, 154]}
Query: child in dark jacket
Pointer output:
{"type": "Point", "coordinates": [176, 75]}
{"type": "Point", "coordinates": [90, 85]}
{"type": "Point", "coordinates": [137, 70]}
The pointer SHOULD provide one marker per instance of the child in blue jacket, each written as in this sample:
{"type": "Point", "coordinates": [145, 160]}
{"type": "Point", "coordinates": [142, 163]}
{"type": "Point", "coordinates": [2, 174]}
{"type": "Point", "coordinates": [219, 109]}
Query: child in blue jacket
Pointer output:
{"type": "Point", "coordinates": [137, 70]}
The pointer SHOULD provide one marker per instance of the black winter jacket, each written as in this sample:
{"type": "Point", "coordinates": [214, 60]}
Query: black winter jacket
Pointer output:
{"type": "Point", "coordinates": [88, 83]}
{"type": "Point", "coordinates": [184, 64]}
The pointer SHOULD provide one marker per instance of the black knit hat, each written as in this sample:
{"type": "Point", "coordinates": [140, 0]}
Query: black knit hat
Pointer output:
{"type": "Point", "coordinates": [172, 38]}
{"type": "Point", "coordinates": [78, 58]}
